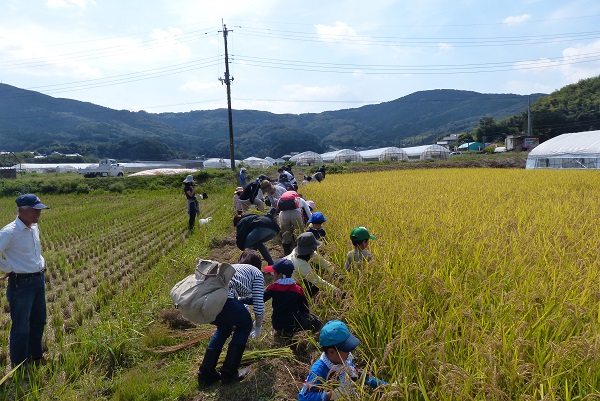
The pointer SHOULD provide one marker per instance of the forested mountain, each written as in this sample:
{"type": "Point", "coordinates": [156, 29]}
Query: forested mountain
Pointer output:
{"type": "Point", "coordinates": [573, 108]}
{"type": "Point", "coordinates": [33, 121]}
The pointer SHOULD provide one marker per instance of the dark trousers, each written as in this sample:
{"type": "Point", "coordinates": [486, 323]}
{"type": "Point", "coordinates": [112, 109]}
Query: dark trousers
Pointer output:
{"type": "Point", "coordinates": [305, 321]}
{"type": "Point", "coordinates": [193, 211]}
{"type": "Point", "coordinates": [234, 318]}
{"type": "Point", "coordinates": [26, 296]}
{"type": "Point", "coordinates": [309, 288]}
{"type": "Point", "coordinates": [256, 239]}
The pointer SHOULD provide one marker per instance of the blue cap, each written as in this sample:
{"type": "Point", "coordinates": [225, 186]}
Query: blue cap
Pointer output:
{"type": "Point", "coordinates": [30, 200]}
{"type": "Point", "coordinates": [317, 217]}
{"type": "Point", "coordinates": [283, 266]}
{"type": "Point", "coordinates": [335, 333]}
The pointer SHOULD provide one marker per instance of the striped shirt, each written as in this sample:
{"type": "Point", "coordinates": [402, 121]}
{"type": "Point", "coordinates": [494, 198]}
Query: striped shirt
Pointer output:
{"type": "Point", "coordinates": [248, 281]}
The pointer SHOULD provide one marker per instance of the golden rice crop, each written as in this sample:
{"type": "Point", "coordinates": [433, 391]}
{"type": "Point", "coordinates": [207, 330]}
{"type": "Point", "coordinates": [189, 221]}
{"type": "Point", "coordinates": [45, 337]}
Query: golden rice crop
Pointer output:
{"type": "Point", "coordinates": [484, 285]}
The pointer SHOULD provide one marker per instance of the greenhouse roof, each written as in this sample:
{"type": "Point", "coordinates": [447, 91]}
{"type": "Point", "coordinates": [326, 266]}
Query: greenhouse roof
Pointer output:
{"type": "Point", "coordinates": [339, 152]}
{"type": "Point", "coordinates": [417, 150]}
{"type": "Point", "coordinates": [575, 143]}
{"type": "Point", "coordinates": [379, 151]}
{"type": "Point", "coordinates": [307, 154]}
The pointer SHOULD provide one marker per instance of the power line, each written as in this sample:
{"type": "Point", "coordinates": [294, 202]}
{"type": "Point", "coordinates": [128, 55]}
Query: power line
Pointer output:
{"type": "Point", "coordinates": [528, 22]}
{"type": "Point", "coordinates": [415, 41]}
{"type": "Point", "coordinates": [102, 52]}
{"type": "Point", "coordinates": [310, 66]}
{"type": "Point", "coordinates": [413, 70]}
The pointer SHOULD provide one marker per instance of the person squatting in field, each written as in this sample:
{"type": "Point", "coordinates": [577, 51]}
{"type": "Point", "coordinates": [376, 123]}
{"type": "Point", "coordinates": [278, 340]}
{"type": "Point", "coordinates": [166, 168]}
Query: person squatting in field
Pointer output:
{"type": "Point", "coordinates": [290, 208]}
{"type": "Point", "coordinates": [334, 376]}
{"type": "Point", "coordinates": [237, 204]}
{"type": "Point", "coordinates": [290, 306]}
{"type": "Point", "coordinates": [304, 275]}
{"type": "Point", "coordinates": [193, 208]}
{"type": "Point", "coordinates": [26, 291]}
{"type": "Point", "coordinates": [286, 175]}
{"type": "Point", "coordinates": [253, 230]}
{"type": "Point", "coordinates": [235, 318]}
{"type": "Point", "coordinates": [253, 195]}
{"type": "Point", "coordinates": [316, 225]}
{"type": "Point", "coordinates": [272, 193]}
{"type": "Point", "coordinates": [359, 256]}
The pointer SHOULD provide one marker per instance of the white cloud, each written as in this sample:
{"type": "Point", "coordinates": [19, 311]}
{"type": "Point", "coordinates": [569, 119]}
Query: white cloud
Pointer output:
{"type": "Point", "coordinates": [537, 65]}
{"type": "Point", "coordinates": [170, 37]}
{"type": "Point", "coordinates": [199, 86]}
{"type": "Point", "coordinates": [340, 33]}
{"type": "Point", "coordinates": [516, 19]}
{"type": "Point", "coordinates": [581, 62]}
{"type": "Point", "coordinates": [546, 75]}
{"type": "Point", "coordinates": [576, 63]}
{"type": "Point", "coordinates": [69, 3]}
{"type": "Point", "coordinates": [445, 46]}
{"type": "Point", "coordinates": [302, 92]}
{"type": "Point", "coordinates": [527, 87]}
{"type": "Point", "coordinates": [194, 11]}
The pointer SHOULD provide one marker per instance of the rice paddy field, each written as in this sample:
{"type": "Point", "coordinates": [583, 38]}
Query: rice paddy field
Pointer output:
{"type": "Point", "coordinates": [484, 286]}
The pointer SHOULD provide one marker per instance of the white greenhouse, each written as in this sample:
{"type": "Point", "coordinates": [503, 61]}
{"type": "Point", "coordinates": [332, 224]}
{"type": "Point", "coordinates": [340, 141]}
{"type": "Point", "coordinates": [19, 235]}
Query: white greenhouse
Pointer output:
{"type": "Point", "coordinates": [257, 162]}
{"type": "Point", "coordinates": [341, 156]}
{"type": "Point", "coordinates": [426, 152]}
{"type": "Point", "coordinates": [307, 159]}
{"type": "Point", "coordinates": [392, 153]}
{"type": "Point", "coordinates": [275, 162]}
{"type": "Point", "coordinates": [219, 163]}
{"type": "Point", "coordinates": [576, 150]}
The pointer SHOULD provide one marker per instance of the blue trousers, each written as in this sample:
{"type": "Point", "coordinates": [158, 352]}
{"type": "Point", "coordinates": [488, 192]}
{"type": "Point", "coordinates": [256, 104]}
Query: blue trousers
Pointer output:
{"type": "Point", "coordinates": [233, 318]}
{"type": "Point", "coordinates": [256, 240]}
{"type": "Point", "coordinates": [27, 300]}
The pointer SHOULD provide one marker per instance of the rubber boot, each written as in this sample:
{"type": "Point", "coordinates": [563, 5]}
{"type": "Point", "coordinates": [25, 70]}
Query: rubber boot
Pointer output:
{"type": "Point", "coordinates": [207, 374]}
{"type": "Point", "coordinates": [287, 249]}
{"type": "Point", "coordinates": [229, 370]}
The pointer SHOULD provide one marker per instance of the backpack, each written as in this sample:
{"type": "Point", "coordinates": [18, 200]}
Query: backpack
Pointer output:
{"type": "Point", "coordinates": [200, 297]}
{"type": "Point", "coordinates": [288, 201]}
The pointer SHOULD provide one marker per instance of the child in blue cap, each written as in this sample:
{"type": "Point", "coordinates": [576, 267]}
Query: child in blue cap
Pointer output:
{"type": "Point", "coordinates": [316, 221]}
{"type": "Point", "coordinates": [333, 376]}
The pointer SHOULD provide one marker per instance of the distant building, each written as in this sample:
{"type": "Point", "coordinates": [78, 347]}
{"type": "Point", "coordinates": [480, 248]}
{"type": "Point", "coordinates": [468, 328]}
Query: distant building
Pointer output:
{"type": "Point", "coordinates": [520, 143]}
{"type": "Point", "coordinates": [450, 141]}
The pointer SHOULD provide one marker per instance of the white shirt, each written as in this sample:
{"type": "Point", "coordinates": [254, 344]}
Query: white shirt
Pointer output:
{"type": "Point", "coordinates": [303, 205]}
{"type": "Point", "coordinates": [21, 248]}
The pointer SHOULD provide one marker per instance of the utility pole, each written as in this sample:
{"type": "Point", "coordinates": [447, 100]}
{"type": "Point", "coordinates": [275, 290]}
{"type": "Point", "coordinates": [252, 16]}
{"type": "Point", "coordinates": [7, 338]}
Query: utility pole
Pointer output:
{"type": "Point", "coordinates": [529, 116]}
{"type": "Point", "coordinates": [227, 80]}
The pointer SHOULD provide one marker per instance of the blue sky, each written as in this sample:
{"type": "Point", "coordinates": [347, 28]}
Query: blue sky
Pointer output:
{"type": "Point", "coordinates": [292, 56]}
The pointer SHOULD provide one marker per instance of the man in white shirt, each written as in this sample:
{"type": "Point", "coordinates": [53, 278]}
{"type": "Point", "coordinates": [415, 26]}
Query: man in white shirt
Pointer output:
{"type": "Point", "coordinates": [26, 292]}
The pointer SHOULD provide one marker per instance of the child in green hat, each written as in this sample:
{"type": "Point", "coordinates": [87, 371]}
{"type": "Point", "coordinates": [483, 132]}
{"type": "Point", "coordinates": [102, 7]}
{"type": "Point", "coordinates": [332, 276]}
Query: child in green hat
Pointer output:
{"type": "Point", "coordinates": [360, 237]}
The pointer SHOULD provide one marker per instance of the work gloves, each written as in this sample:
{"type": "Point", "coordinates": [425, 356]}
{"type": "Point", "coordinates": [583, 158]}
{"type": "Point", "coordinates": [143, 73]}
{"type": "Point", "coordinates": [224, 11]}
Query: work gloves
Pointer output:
{"type": "Point", "coordinates": [257, 325]}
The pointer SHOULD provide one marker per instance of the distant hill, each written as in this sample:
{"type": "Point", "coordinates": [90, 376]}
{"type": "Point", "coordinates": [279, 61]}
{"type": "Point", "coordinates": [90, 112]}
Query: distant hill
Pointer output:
{"type": "Point", "coordinates": [573, 108]}
{"type": "Point", "coordinates": [32, 121]}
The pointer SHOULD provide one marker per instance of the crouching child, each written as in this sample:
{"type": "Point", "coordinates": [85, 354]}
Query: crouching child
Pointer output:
{"type": "Point", "coordinates": [334, 376]}
{"type": "Point", "coordinates": [359, 256]}
{"type": "Point", "coordinates": [290, 306]}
